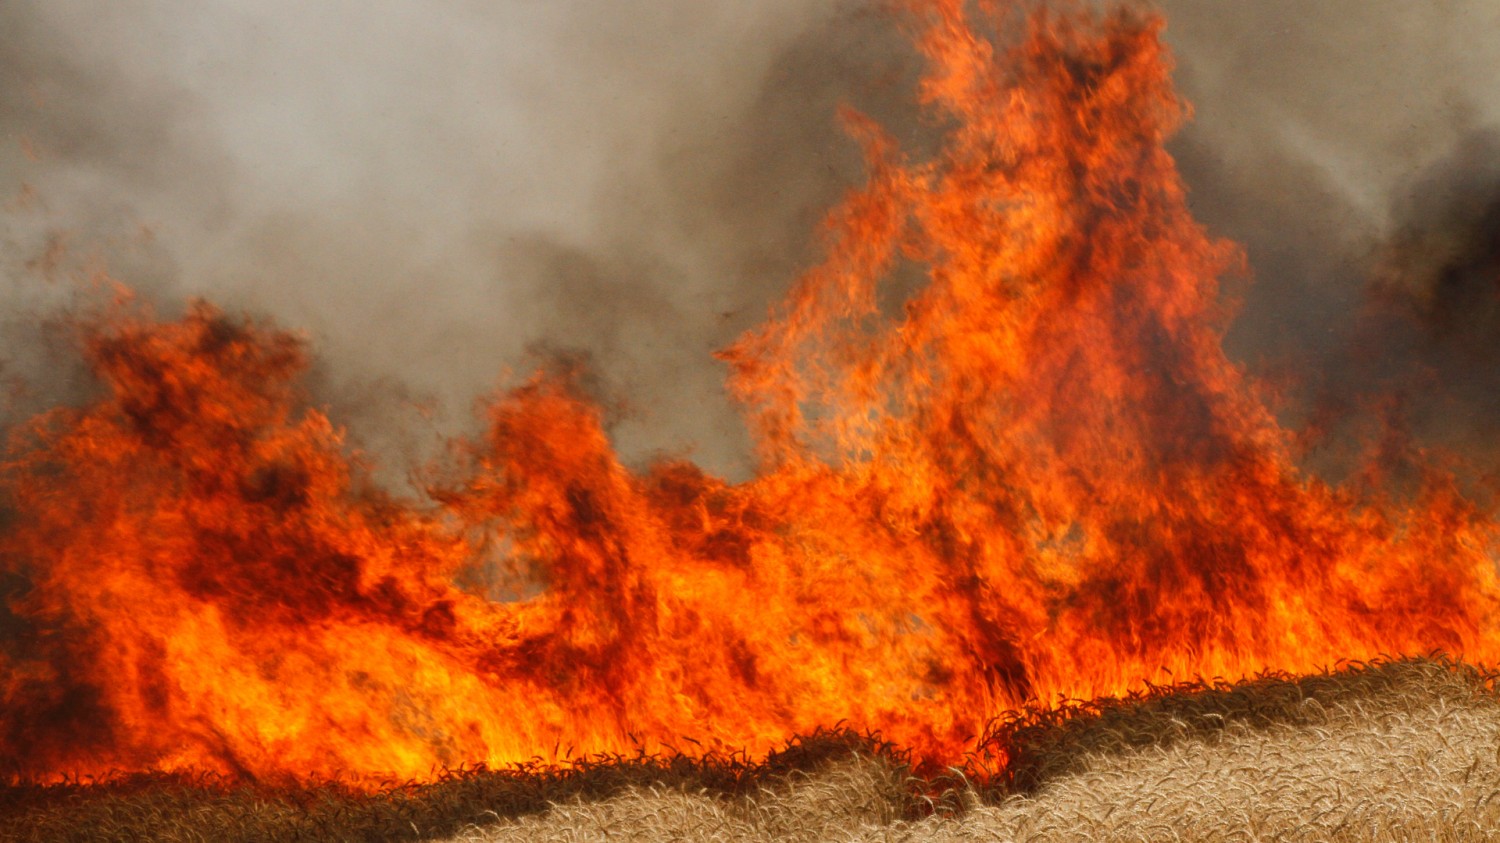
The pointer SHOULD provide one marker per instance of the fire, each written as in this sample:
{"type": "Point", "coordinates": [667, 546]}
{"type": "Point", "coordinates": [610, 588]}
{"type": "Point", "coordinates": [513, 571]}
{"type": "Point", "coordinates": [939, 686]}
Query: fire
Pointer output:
{"type": "Point", "coordinates": [1037, 475]}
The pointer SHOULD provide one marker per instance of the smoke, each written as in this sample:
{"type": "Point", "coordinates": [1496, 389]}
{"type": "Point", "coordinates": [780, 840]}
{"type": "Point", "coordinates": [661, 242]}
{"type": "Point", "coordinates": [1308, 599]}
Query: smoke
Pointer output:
{"type": "Point", "coordinates": [1324, 135]}
{"type": "Point", "coordinates": [430, 193]}
{"type": "Point", "coordinates": [1429, 329]}
{"type": "Point", "coordinates": [434, 193]}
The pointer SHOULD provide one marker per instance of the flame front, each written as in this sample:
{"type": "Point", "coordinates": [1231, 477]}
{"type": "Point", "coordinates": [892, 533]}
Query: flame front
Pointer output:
{"type": "Point", "coordinates": [1037, 474]}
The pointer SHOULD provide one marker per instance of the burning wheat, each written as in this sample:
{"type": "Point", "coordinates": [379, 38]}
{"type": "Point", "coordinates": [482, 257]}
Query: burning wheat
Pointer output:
{"type": "Point", "coordinates": [1039, 476]}
{"type": "Point", "coordinates": [1387, 752]}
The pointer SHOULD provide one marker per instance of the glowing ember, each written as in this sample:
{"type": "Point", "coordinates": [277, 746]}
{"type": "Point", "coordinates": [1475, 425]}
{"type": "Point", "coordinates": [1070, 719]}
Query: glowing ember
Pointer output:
{"type": "Point", "coordinates": [1039, 476]}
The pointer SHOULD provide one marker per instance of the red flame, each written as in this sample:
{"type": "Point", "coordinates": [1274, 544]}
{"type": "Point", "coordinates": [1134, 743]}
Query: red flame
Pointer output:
{"type": "Point", "coordinates": [1040, 475]}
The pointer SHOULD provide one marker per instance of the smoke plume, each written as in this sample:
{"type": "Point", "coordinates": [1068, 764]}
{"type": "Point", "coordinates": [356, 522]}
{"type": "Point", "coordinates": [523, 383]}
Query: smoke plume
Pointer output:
{"type": "Point", "coordinates": [438, 194]}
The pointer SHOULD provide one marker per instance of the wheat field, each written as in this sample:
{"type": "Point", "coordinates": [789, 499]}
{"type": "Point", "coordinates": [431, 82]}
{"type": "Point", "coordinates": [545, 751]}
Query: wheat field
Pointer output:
{"type": "Point", "coordinates": [1402, 750]}
{"type": "Point", "coordinates": [1408, 751]}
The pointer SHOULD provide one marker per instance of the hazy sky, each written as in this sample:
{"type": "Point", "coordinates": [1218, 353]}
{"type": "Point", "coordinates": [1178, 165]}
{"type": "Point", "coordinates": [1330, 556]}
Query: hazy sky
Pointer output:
{"type": "Point", "coordinates": [431, 188]}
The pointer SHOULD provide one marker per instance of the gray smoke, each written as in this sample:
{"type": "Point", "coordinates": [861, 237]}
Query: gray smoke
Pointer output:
{"type": "Point", "coordinates": [1313, 118]}
{"type": "Point", "coordinates": [1337, 141]}
{"type": "Point", "coordinates": [431, 189]}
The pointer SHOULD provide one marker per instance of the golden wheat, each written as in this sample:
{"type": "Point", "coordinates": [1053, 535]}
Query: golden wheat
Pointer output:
{"type": "Point", "coordinates": [1404, 752]}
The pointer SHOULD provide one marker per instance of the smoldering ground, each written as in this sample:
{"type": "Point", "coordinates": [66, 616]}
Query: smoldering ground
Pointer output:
{"type": "Point", "coordinates": [429, 192]}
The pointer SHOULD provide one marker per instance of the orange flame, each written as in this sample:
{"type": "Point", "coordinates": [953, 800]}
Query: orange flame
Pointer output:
{"type": "Point", "coordinates": [1039, 476]}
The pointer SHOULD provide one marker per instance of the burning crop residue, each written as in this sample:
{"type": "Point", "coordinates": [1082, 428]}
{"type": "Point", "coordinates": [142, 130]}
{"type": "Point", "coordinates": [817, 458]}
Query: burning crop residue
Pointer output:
{"type": "Point", "coordinates": [1039, 475]}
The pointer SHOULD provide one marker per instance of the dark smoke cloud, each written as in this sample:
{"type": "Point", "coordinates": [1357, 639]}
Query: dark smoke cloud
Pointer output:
{"type": "Point", "coordinates": [1442, 266]}
{"type": "Point", "coordinates": [1326, 136]}
{"type": "Point", "coordinates": [430, 190]}
{"type": "Point", "coordinates": [1429, 330]}
{"type": "Point", "coordinates": [1311, 118]}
